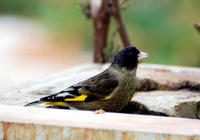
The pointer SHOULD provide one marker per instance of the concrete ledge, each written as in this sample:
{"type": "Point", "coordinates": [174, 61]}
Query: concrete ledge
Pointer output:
{"type": "Point", "coordinates": [32, 123]}
{"type": "Point", "coordinates": [161, 90]}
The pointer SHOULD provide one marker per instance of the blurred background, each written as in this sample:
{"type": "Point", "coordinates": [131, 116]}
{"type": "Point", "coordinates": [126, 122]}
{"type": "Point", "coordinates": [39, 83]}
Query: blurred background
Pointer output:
{"type": "Point", "coordinates": [41, 37]}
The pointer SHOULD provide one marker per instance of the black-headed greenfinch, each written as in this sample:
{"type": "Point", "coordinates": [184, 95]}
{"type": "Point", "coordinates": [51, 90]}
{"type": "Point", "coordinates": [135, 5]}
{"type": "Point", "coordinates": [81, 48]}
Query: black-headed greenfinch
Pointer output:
{"type": "Point", "coordinates": [111, 90]}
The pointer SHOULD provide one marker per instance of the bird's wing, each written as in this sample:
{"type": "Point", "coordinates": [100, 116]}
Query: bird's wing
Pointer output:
{"type": "Point", "coordinates": [98, 87]}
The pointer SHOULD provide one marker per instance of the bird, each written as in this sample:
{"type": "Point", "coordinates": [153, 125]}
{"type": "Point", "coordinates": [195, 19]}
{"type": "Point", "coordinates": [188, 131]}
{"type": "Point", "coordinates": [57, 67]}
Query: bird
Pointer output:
{"type": "Point", "coordinates": [110, 90]}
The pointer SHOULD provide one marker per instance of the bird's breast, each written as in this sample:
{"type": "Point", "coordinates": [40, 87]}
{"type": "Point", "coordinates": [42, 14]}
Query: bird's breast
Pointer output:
{"type": "Point", "coordinates": [124, 92]}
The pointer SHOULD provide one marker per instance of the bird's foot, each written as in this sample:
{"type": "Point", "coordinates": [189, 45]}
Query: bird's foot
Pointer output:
{"type": "Point", "coordinates": [99, 111]}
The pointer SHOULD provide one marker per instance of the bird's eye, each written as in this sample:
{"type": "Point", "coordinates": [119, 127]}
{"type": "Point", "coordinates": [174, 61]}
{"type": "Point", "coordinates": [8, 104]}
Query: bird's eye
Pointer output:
{"type": "Point", "coordinates": [130, 53]}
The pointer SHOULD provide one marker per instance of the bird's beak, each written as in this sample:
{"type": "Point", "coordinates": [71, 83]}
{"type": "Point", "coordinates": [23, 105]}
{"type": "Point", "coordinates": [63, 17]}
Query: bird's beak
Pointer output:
{"type": "Point", "coordinates": [142, 55]}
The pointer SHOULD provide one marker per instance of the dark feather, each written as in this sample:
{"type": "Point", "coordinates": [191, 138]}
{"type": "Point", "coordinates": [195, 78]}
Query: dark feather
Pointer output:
{"type": "Point", "coordinates": [100, 85]}
{"type": "Point", "coordinates": [33, 103]}
{"type": "Point", "coordinates": [95, 88]}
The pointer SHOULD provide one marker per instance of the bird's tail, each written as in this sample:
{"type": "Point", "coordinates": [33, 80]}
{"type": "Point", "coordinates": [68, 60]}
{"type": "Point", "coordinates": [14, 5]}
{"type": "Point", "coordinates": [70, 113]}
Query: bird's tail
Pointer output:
{"type": "Point", "coordinates": [33, 103]}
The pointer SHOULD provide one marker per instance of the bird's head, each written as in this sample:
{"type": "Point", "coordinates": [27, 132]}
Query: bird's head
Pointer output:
{"type": "Point", "coordinates": [129, 58]}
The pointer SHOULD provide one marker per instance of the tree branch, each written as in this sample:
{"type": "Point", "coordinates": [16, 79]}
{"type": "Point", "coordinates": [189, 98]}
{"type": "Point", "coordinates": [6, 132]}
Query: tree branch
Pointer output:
{"type": "Point", "coordinates": [101, 11]}
{"type": "Point", "coordinates": [120, 24]}
{"type": "Point", "coordinates": [101, 19]}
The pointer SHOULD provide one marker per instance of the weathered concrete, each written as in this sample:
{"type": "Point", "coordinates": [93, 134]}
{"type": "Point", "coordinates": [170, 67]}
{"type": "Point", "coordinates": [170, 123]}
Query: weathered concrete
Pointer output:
{"type": "Point", "coordinates": [159, 77]}
{"type": "Point", "coordinates": [180, 103]}
{"type": "Point", "coordinates": [30, 123]}
{"type": "Point", "coordinates": [163, 90]}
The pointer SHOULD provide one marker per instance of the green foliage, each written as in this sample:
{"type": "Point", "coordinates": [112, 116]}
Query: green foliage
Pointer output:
{"type": "Point", "coordinates": [164, 29]}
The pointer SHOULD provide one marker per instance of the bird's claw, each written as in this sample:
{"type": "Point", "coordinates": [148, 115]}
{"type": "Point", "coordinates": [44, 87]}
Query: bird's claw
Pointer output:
{"type": "Point", "coordinates": [99, 111]}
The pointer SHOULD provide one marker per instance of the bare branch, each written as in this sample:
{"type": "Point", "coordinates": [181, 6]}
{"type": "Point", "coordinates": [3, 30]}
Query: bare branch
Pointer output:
{"type": "Point", "coordinates": [101, 19]}
{"type": "Point", "coordinates": [101, 11]}
{"type": "Point", "coordinates": [120, 24]}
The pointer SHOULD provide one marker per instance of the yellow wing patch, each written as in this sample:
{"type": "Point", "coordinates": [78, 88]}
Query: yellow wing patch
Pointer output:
{"type": "Point", "coordinates": [106, 97]}
{"type": "Point", "coordinates": [62, 104]}
{"type": "Point", "coordinates": [79, 98]}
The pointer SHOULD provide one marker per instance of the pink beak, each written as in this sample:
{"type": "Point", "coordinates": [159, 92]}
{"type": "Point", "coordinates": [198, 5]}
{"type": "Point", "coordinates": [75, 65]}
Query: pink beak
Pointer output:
{"type": "Point", "coordinates": [142, 55]}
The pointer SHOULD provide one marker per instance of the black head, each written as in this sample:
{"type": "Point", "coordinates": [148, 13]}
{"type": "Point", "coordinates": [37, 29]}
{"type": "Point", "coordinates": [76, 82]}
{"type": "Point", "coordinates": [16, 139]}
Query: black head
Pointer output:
{"type": "Point", "coordinates": [128, 57]}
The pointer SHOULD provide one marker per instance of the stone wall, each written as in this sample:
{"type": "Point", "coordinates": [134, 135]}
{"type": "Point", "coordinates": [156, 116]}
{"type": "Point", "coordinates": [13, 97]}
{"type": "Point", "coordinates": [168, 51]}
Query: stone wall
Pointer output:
{"type": "Point", "coordinates": [161, 90]}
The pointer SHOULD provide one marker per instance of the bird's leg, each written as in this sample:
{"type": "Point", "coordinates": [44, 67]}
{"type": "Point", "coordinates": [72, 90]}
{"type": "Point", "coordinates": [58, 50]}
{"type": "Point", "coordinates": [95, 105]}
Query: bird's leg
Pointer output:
{"type": "Point", "coordinates": [99, 111]}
